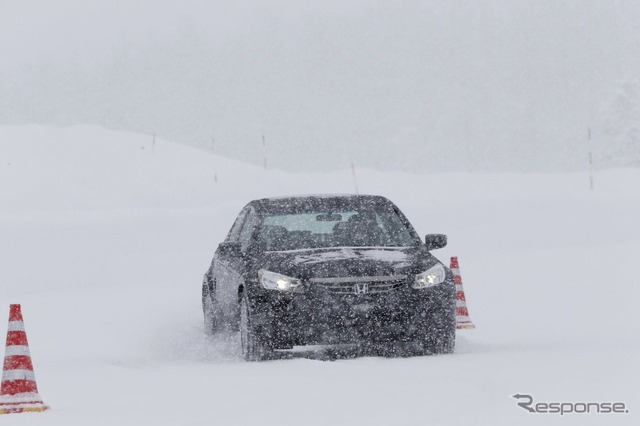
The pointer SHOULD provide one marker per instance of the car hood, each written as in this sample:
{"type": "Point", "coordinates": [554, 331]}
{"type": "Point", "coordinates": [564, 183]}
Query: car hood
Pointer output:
{"type": "Point", "coordinates": [348, 261]}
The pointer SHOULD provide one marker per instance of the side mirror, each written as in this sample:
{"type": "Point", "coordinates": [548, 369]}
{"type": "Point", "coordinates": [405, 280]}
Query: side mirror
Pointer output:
{"type": "Point", "coordinates": [435, 241]}
{"type": "Point", "coordinates": [230, 248]}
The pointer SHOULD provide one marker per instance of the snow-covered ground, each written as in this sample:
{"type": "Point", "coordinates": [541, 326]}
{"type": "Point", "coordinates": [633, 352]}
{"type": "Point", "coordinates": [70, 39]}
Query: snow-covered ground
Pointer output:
{"type": "Point", "coordinates": [104, 238]}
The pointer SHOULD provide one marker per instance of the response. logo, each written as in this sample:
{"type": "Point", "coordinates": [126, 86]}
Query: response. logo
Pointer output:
{"type": "Point", "coordinates": [527, 403]}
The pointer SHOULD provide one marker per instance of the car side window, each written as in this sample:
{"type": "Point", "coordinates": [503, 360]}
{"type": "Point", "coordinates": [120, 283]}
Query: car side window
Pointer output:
{"type": "Point", "coordinates": [234, 233]}
{"type": "Point", "coordinates": [247, 229]}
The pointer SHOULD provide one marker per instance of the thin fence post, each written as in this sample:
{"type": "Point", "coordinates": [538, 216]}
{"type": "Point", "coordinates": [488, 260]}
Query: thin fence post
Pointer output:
{"type": "Point", "coordinates": [264, 152]}
{"type": "Point", "coordinates": [355, 180]}
{"type": "Point", "coordinates": [590, 160]}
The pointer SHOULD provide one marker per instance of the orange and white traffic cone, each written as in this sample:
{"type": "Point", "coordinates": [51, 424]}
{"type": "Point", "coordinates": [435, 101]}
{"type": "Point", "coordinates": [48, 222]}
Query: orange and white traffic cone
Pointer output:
{"type": "Point", "coordinates": [462, 314]}
{"type": "Point", "coordinates": [18, 392]}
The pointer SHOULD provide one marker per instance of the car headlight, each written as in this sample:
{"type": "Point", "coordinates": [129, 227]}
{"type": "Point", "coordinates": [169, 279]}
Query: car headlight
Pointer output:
{"type": "Point", "coordinates": [273, 281]}
{"type": "Point", "coordinates": [432, 276]}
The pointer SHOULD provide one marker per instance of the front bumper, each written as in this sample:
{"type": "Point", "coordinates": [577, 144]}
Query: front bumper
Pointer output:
{"type": "Point", "coordinates": [321, 317]}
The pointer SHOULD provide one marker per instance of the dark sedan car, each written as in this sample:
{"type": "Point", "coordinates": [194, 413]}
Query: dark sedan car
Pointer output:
{"type": "Point", "coordinates": [327, 270]}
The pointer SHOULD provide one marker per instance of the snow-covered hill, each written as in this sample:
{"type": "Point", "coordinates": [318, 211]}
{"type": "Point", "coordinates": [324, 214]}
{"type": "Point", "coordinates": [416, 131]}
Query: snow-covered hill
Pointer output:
{"type": "Point", "coordinates": [104, 237]}
{"type": "Point", "coordinates": [486, 85]}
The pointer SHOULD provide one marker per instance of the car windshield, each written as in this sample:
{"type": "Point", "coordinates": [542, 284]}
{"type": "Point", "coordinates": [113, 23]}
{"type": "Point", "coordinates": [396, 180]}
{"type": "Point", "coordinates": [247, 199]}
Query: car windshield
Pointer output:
{"type": "Point", "coordinates": [336, 228]}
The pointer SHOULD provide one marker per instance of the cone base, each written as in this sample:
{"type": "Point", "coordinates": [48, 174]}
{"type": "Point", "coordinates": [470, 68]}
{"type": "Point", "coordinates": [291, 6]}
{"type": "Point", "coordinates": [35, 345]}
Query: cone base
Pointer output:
{"type": "Point", "coordinates": [23, 408]}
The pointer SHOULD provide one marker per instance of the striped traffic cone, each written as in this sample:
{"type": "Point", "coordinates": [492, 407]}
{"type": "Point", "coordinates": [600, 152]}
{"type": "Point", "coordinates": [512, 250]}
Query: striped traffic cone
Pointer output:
{"type": "Point", "coordinates": [462, 314]}
{"type": "Point", "coordinates": [18, 392]}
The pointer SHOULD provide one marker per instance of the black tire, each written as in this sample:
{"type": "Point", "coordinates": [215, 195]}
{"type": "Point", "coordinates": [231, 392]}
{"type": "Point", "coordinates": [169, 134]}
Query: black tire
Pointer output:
{"type": "Point", "coordinates": [252, 346]}
{"type": "Point", "coordinates": [212, 321]}
{"type": "Point", "coordinates": [439, 337]}
{"type": "Point", "coordinates": [440, 342]}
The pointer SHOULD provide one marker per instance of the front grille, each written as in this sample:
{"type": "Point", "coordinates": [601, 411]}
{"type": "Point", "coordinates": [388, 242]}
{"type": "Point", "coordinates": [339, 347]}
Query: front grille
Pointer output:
{"type": "Point", "coordinates": [359, 285]}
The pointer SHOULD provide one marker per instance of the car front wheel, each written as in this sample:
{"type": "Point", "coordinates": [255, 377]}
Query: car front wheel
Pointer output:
{"type": "Point", "coordinates": [440, 342]}
{"type": "Point", "coordinates": [211, 313]}
{"type": "Point", "coordinates": [439, 337]}
{"type": "Point", "coordinates": [253, 348]}
{"type": "Point", "coordinates": [210, 325]}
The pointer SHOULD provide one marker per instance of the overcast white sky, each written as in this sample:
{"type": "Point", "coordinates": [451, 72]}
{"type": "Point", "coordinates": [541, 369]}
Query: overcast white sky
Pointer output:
{"type": "Point", "coordinates": [411, 85]}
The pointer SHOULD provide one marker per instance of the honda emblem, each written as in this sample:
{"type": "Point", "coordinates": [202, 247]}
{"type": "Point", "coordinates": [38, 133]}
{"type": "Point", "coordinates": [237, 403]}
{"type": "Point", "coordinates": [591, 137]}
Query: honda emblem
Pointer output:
{"type": "Point", "coordinates": [361, 288]}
